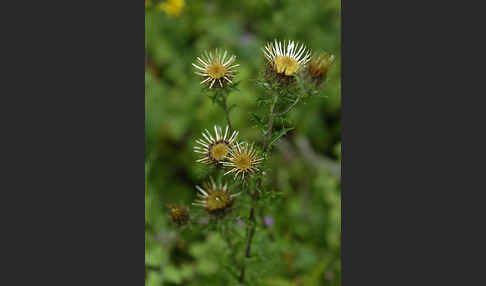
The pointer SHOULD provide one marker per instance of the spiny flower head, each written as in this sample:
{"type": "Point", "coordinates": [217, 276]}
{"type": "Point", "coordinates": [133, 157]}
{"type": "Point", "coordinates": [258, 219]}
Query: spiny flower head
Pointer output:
{"type": "Point", "coordinates": [286, 60]}
{"type": "Point", "coordinates": [216, 66]}
{"type": "Point", "coordinates": [215, 149]}
{"type": "Point", "coordinates": [179, 214]}
{"type": "Point", "coordinates": [319, 66]}
{"type": "Point", "coordinates": [243, 160]}
{"type": "Point", "coordinates": [216, 199]}
{"type": "Point", "coordinates": [172, 7]}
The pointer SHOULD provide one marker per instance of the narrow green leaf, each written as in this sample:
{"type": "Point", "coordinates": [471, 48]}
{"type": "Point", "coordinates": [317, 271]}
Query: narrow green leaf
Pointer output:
{"type": "Point", "coordinates": [281, 133]}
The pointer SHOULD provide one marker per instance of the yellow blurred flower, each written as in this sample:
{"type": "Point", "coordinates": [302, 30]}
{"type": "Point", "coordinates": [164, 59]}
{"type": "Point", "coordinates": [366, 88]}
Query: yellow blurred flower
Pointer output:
{"type": "Point", "coordinates": [172, 7]}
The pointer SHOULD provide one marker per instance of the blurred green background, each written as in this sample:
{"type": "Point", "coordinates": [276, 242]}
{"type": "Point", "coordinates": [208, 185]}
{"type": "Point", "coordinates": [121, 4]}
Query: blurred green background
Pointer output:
{"type": "Point", "coordinates": [298, 238]}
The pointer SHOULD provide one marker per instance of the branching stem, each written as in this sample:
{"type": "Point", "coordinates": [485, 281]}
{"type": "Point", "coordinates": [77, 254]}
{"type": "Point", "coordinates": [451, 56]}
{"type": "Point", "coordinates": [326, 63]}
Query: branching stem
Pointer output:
{"type": "Point", "coordinates": [289, 108]}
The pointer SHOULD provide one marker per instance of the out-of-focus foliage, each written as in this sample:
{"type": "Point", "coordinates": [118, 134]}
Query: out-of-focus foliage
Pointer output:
{"type": "Point", "coordinates": [297, 240]}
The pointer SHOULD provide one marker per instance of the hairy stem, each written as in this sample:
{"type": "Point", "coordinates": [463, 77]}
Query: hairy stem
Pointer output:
{"type": "Point", "coordinates": [255, 196]}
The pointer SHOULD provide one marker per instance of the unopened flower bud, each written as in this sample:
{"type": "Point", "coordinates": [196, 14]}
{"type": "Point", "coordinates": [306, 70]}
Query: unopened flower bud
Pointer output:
{"type": "Point", "coordinates": [179, 214]}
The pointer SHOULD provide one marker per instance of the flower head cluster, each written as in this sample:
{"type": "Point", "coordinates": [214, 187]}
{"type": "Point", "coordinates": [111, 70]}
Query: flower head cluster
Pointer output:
{"type": "Point", "coordinates": [216, 67]}
{"type": "Point", "coordinates": [240, 157]}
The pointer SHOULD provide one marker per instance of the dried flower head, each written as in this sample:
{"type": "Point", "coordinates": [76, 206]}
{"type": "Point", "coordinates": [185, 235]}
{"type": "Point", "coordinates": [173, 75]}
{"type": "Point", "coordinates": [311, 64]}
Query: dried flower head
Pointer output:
{"type": "Point", "coordinates": [216, 199]}
{"type": "Point", "coordinates": [215, 149]}
{"type": "Point", "coordinates": [286, 60]}
{"type": "Point", "coordinates": [172, 7]}
{"type": "Point", "coordinates": [179, 214]}
{"type": "Point", "coordinates": [243, 160]}
{"type": "Point", "coordinates": [319, 66]}
{"type": "Point", "coordinates": [215, 66]}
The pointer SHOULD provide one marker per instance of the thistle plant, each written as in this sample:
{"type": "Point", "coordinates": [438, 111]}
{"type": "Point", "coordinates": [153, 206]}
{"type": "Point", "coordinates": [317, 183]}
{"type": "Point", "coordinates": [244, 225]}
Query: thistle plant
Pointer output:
{"type": "Point", "coordinates": [289, 77]}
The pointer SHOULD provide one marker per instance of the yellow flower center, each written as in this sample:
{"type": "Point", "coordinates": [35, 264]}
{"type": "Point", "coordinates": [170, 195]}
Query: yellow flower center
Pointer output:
{"type": "Point", "coordinates": [286, 65]}
{"type": "Point", "coordinates": [218, 199]}
{"type": "Point", "coordinates": [242, 162]}
{"type": "Point", "coordinates": [216, 70]}
{"type": "Point", "coordinates": [218, 151]}
{"type": "Point", "coordinates": [172, 7]}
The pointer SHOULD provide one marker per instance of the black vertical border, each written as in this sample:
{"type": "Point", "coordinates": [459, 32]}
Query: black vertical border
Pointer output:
{"type": "Point", "coordinates": [76, 143]}
{"type": "Point", "coordinates": [412, 151]}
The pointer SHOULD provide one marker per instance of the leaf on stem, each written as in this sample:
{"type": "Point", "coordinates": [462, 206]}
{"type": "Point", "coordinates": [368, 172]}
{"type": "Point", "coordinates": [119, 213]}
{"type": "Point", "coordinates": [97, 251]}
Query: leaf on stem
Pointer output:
{"type": "Point", "coordinates": [281, 133]}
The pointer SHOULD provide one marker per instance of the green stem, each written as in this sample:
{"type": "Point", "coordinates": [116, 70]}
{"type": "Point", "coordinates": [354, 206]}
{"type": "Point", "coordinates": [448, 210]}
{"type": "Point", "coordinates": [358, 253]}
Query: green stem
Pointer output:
{"type": "Point", "coordinates": [268, 134]}
{"type": "Point", "coordinates": [255, 196]}
{"type": "Point", "coordinates": [227, 239]}
{"type": "Point", "coordinates": [226, 110]}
